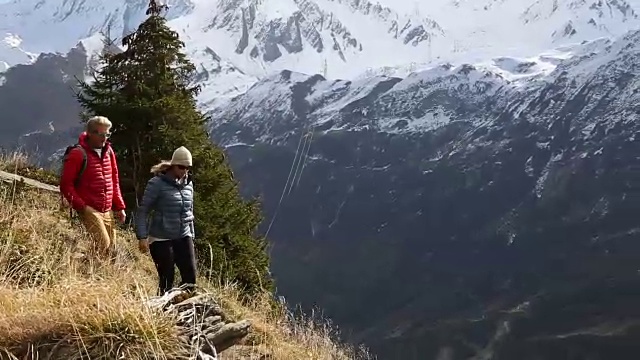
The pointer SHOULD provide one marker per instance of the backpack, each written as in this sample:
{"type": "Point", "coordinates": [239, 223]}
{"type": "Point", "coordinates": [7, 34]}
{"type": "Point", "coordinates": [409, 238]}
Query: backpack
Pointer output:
{"type": "Point", "coordinates": [65, 157]}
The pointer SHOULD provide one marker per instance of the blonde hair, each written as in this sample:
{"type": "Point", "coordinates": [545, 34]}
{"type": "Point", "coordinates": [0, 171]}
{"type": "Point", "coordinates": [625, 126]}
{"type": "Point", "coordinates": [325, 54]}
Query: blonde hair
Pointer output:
{"type": "Point", "coordinates": [98, 121]}
{"type": "Point", "coordinates": [161, 167]}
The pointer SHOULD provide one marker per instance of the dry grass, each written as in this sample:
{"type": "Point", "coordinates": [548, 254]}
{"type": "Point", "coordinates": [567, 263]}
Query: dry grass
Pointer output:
{"type": "Point", "coordinates": [54, 301]}
{"type": "Point", "coordinates": [13, 161]}
{"type": "Point", "coordinates": [19, 163]}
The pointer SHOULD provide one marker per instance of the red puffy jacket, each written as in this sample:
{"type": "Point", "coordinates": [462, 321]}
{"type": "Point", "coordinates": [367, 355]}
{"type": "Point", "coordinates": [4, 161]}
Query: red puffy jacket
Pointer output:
{"type": "Point", "coordinates": [99, 186]}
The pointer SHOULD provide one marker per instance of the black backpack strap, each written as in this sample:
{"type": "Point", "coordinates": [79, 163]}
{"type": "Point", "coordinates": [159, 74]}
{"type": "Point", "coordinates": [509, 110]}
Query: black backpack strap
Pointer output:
{"type": "Point", "coordinates": [84, 160]}
{"type": "Point", "coordinates": [82, 167]}
{"type": "Point", "coordinates": [84, 164]}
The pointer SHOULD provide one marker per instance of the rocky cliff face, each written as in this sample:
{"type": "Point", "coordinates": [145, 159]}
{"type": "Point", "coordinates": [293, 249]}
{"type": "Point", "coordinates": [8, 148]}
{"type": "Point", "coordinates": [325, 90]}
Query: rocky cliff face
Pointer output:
{"type": "Point", "coordinates": [304, 21]}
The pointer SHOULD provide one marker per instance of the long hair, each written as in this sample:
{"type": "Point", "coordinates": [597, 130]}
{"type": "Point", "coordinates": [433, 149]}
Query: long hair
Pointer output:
{"type": "Point", "coordinates": [161, 167]}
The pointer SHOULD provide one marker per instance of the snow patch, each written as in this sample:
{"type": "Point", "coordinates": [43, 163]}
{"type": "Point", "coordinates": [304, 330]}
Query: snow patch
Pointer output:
{"type": "Point", "coordinates": [540, 183]}
{"type": "Point", "coordinates": [11, 53]}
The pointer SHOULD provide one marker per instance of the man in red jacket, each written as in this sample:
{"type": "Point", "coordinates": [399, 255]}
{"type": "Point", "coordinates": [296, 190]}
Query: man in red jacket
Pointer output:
{"type": "Point", "coordinates": [95, 193]}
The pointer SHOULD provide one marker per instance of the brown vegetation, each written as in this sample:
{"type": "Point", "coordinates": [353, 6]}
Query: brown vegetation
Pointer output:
{"type": "Point", "coordinates": [53, 295]}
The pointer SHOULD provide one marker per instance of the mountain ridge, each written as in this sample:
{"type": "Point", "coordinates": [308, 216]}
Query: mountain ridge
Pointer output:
{"type": "Point", "coordinates": [335, 38]}
{"type": "Point", "coordinates": [327, 101]}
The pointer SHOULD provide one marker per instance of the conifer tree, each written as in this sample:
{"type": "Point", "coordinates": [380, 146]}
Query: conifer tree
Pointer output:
{"type": "Point", "coordinates": [147, 92]}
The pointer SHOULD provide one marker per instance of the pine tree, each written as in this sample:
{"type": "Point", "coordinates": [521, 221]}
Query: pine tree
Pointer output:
{"type": "Point", "coordinates": [147, 92]}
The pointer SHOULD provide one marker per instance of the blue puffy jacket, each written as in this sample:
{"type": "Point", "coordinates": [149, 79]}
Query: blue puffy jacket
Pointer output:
{"type": "Point", "coordinates": [170, 204]}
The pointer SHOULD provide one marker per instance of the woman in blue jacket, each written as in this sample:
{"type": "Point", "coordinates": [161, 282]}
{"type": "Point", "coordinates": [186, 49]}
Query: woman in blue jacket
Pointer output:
{"type": "Point", "coordinates": [169, 234]}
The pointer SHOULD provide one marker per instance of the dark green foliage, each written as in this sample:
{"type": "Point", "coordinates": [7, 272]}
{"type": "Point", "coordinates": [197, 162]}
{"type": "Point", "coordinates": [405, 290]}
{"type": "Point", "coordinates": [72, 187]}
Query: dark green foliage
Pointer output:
{"type": "Point", "coordinates": [146, 91]}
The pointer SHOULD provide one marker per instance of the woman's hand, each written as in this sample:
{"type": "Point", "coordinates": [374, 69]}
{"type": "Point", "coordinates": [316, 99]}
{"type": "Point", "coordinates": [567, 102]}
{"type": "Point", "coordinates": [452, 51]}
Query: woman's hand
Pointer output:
{"type": "Point", "coordinates": [143, 245]}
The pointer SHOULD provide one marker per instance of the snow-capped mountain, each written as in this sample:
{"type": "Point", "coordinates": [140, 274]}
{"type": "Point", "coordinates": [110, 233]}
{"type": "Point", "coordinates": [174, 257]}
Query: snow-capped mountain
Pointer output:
{"type": "Point", "coordinates": [478, 214]}
{"type": "Point", "coordinates": [447, 179]}
{"type": "Point", "coordinates": [12, 53]}
{"type": "Point", "coordinates": [57, 26]}
{"type": "Point", "coordinates": [253, 39]}
{"type": "Point", "coordinates": [421, 101]}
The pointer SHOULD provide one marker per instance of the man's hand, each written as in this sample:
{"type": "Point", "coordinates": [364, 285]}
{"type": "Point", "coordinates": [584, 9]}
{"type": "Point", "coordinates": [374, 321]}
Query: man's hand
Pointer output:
{"type": "Point", "coordinates": [143, 245]}
{"type": "Point", "coordinates": [121, 216]}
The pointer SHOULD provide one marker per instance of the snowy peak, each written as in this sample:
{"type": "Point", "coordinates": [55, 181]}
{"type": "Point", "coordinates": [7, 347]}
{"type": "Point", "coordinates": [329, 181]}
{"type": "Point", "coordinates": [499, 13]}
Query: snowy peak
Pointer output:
{"type": "Point", "coordinates": [432, 98]}
{"type": "Point", "coordinates": [422, 101]}
{"type": "Point", "coordinates": [12, 53]}
{"type": "Point", "coordinates": [339, 39]}
{"type": "Point", "coordinates": [214, 75]}
{"type": "Point", "coordinates": [411, 28]}
{"type": "Point", "coordinates": [264, 28]}
{"type": "Point", "coordinates": [57, 25]}
{"type": "Point", "coordinates": [600, 9]}
{"type": "Point", "coordinates": [602, 58]}
{"type": "Point", "coordinates": [601, 16]}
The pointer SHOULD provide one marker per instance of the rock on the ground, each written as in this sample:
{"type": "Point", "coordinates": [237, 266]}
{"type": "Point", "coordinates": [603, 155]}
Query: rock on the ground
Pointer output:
{"type": "Point", "coordinates": [203, 326]}
{"type": "Point", "coordinates": [11, 178]}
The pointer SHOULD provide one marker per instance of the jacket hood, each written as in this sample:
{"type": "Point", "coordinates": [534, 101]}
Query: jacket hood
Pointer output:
{"type": "Point", "coordinates": [82, 140]}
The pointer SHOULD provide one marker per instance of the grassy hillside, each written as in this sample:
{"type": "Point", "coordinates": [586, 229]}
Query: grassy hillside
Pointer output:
{"type": "Point", "coordinates": [52, 296]}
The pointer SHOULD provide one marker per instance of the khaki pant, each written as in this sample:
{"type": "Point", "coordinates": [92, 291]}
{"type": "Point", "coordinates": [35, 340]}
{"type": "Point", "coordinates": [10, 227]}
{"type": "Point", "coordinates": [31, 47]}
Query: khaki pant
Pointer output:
{"type": "Point", "coordinates": [101, 229]}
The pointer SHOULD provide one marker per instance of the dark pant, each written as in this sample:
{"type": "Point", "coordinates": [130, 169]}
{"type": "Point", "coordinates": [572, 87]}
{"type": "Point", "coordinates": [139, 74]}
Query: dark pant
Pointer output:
{"type": "Point", "coordinates": [166, 254]}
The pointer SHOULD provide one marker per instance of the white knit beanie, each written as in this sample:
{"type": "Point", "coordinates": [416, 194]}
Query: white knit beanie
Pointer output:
{"type": "Point", "coordinates": [182, 156]}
